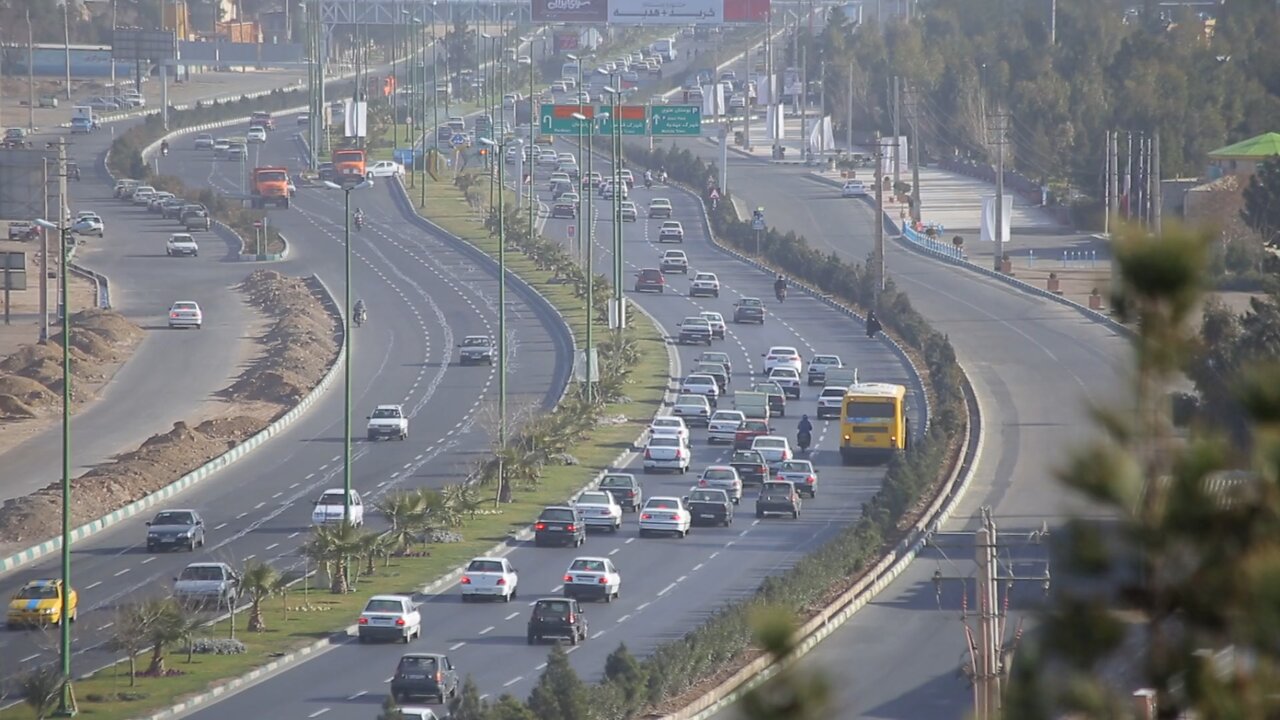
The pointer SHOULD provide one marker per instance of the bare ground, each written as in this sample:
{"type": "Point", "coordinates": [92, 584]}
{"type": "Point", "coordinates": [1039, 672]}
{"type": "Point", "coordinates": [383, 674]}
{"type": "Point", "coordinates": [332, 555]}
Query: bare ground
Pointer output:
{"type": "Point", "coordinates": [298, 347]}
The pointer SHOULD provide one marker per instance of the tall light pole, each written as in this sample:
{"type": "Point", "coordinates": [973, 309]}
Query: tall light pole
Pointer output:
{"type": "Point", "coordinates": [346, 345]}
{"type": "Point", "coordinates": [586, 223]}
{"type": "Point", "coordinates": [616, 151]}
{"type": "Point", "coordinates": [533, 129]}
{"type": "Point", "coordinates": [500, 149]}
{"type": "Point", "coordinates": [67, 697]}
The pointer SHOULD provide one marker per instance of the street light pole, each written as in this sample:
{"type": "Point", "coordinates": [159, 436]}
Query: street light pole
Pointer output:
{"type": "Point", "coordinates": [615, 146]}
{"type": "Point", "coordinates": [533, 130]}
{"type": "Point", "coordinates": [500, 149]}
{"type": "Point", "coordinates": [586, 222]}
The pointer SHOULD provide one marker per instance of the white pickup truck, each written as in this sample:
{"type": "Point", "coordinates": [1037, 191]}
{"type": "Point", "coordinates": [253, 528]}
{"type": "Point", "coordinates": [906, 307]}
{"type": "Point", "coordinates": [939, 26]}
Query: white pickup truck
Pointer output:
{"type": "Point", "coordinates": [388, 421]}
{"type": "Point", "coordinates": [181, 244]}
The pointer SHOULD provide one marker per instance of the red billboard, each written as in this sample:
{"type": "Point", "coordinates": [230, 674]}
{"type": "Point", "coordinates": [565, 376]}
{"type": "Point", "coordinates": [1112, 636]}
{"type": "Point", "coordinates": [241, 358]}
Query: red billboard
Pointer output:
{"type": "Point", "coordinates": [566, 41]}
{"type": "Point", "coordinates": [746, 11]}
{"type": "Point", "coordinates": [570, 11]}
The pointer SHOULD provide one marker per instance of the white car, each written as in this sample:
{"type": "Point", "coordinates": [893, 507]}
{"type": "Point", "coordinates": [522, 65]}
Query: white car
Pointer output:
{"type": "Point", "coordinates": [660, 207]}
{"type": "Point", "coordinates": [599, 509]}
{"type": "Point", "coordinates": [330, 508]}
{"type": "Point", "coordinates": [788, 379]}
{"type": "Point", "coordinates": [693, 408]}
{"type": "Point", "coordinates": [416, 712]}
{"type": "Point", "coordinates": [671, 231]}
{"type": "Point", "coordinates": [818, 368]}
{"type": "Point", "coordinates": [256, 135]}
{"type": "Point", "coordinates": [204, 142]}
{"type": "Point", "coordinates": [783, 356]}
{"type": "Point", "coordinates": [722, 477]}
{"type": "Point", "coordinates": [704, 283]}
{"type": "Point", "coordinates": [704, 385]}
{"type": "Point", "coordinates": [665, 515]}
{"type": "Point", "coordinates": [493, 577]}
{"type": "Point", "coordinates": [181, 244]}
{"type": "Point", "coordinates": [186, 313]}
{"type": "Point", "coordinates": [723, 425]}
{"type": "Point", "coordinates": [718, 327]}
{"type": "Point", "coordinates": [385, 168]}
{"type": "Point", "coordinates": [674, 261]}
{"type": "Point", "coordinates": [389, 617]}
{"type": "Point", "coordinates": [853, 188]}
{"type": "Point", "coordinates": [666, 452]}
{"type": "Point", "coordinates": [558, 177]}
{"type": "Point", "coordinates": [592, 577]}
{"type": "Point", "coordinates": [221, 146]}
{"type": "Point", "coordinates": [831, 402]}
{"type": "Point", "coordinates": [387, 421]}
{"type": "Point", "coordinates": [800, 473]}
{"type": "Point", "coordinates": [669, 424]}
{"type": "Point", "coordinates": [88, 223]}
{"type": "Point", "coordinates": [775, 449]}
{"type": "Point", "coordinates": [142, 195]}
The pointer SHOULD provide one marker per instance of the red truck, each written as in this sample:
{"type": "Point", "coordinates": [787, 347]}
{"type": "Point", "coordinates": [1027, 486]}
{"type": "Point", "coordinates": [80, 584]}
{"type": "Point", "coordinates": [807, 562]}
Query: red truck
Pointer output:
{"type": "Point", "coordinates": [270, 186]}
{"type": "Point", "coordinates": [262, 119]}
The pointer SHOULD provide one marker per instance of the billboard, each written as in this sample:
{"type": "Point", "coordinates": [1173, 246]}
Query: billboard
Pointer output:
{"type": "Point", "coordinates": [687, 12]}
{"type": "Point", "coordinates": [566, 40]}
{"type": "Point", "coordinates": [570, 11]}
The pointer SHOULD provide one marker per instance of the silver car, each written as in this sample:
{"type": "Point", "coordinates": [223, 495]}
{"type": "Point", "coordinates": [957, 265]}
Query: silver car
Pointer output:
{"type": "Point", "coordinates": [722, 477]}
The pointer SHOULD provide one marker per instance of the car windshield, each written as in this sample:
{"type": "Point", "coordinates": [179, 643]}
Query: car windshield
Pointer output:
{"type": "Point", "coordinates": [650, 274]}
{"type": "Point", "coordinates": [691, 400]}
{"type": "Point", "coordinates": [330, 498]}
{"type": "Point", "coordinates": [420, 664]}
{"type": "Point", "coordinates": [664, 441]}
{"type": "Point", "coordinates": [485, 566]}
{"type": "Point", "coordinates": [775, 492]}
{"type": "Point", "coordinates": [670, 225]}
{"type": "Point", "coordinates": [475, 342]}
{"type": "Point", "coordinates": [668, 423]}
{"type": "Point", "coordinates": [557, 514]}
{"type": "Point", "coordinates": [826, 360]}
{"type": "Point", "coordinates": [551, 609]}
{"type": "Point", "coordinates": [783, 372]}
{"type": "Point", "coordinates": [719, 474]}
{"type": "Point", "coordinates": [704, 276]}
{"type": "Point", "coordinates": [770, 443]}
{"type": "Point", "coordinates": [699, 380]}
{"type": "Point", "coordinates": [696, 321]}
{"type": "Point", "coordinates": [583, 565]}
{"type": "Point", "coordinates": [385, 413]}
{"type": "Point", "coordinates": [173, 518]}
{"type": "Point", "coordinates": [376, 605]}
{"type": "Point", "coordinates": [713, 317]}
{"type": "Point", "coordinates": [184, 306]}
{"type": "Point", "coordinates": [756, 426]}
{"type": "Point", "coordinates": [661, 504]}
{"type": "Point", "coordinates": [201, 573]}
{"type": "Point", "coordinates": [707, 496]}
{"type": "Point", "coordinates": [616, 482]}
{"type": "Point", "coordinates": [727, 415]}
{"type": "Point", "coordinates": [782, 351]}
{"type": "Point", "coordinates": [750, 302]}
{"type": "Point", "coordinates": [746, 456]}
{"type": "Point", "coordinates": [796, 466]}
{"type": "Point", "coordinates": [37, 592]}
{"type": "Point", "coordinates": [182, 238]}
{"type": "Point", "coordinates": [593, 498]}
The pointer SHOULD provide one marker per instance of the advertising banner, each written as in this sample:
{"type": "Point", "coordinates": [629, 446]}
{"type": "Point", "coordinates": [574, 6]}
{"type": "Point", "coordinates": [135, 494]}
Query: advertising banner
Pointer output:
{"type": "Point", "coordinates": [565, 40]}
{"type": "Point", "coordinates": [684, 12]}
{"type": "Point", "coordinates": [570, 11]}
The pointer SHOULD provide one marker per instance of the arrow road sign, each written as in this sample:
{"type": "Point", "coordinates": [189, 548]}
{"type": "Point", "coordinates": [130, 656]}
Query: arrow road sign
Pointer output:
{"type": "Point", "coordinates": [458, 139]}
{"type": "Point", "coordinates": [677, 120]}
{"type": "Point", "coordinates": [558, 119]}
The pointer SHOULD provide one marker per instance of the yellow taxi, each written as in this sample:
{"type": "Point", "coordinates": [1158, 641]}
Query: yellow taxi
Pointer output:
{"type": "Point", "coordinates": [39, 602]}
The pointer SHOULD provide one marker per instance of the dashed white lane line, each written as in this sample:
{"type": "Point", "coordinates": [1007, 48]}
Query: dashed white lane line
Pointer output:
{"type": "Point", "coordinates": [456, 645]}
{"type": "Point", "coordinates": [294, 535]}
{"type": "Point", "coordinates": [614, 551]}
{"type": "Point", "coordinates": [697, 567]}
{"type": "Point", "coordinates": [641, 606]}
{"type": "Point", "coordinates": [249, 557]}
{"type": "Point", "coordinates": [512, 615]}
{"type": "Point", "coordinates": [542, 666]}
{"type": "Point", "coordinates": [513, 681]}
{"type": "Point", "coordinates": [682, 578]}
{"type": "Point", "coordinates": [29, 658]}
{"type": "Point", "coordinates": [743, 533]}
{"type": "Point", "coordinates": [487, 630]}
{"type": "Point", "coordinates": [260, 505]}
{"type": "Point", "coordinates": [596, 634]}
{"type": "Point", "coordinates": [118, 574]}
{"type": "Point", "coordinates": [150, 559]}
{"type": "Point", "coordinates": [335, 458]}
{"type": "Point", "coordinates": [220, 526]}
{"type": "Point", "coordinates": [731, 543]}
{"type": "Point", "coordinates": [557, 588]}
{"type": "Point", "coordinates": [318, 713]}
{"type": "Point", "coordinates": [309, 476]}
{"type": "Point", "coordinates": [624, 617]}
{"type": "Point", "coordinates": [273, 546]}
{"type": "Point", "coordinates": [666, 589]}
{"type": "Point", "coordinates": [360, 694]}
{"type": "Point", "coordinates": [104, 627]}
{"type": "Point", "coordinates": [713, 555]}
{"type": "Point", "coordinates": [755, 523]}
{"type": "Point", "coordinates": [389, 679]}
{"type": "Point", "coordinates": [628, 541]}
{"type": "Point", "coordinates": [90, 587]}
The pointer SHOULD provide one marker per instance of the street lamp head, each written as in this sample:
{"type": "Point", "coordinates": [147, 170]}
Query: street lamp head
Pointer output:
{"type": "Point", "coordinates": [332, 185]}
{"type": "Point", "coordinates": [571, 56]}
{"type": "Point", "coordinates": [46, 224]}
{"type": "Point", "coordinates": [611, 90]}
{"type": "Point", "coordinates": [488, 141]}
{"type": "Point", "coordinates": [578, 116]}
{"type": "Point", "coordinates": [366, 183]}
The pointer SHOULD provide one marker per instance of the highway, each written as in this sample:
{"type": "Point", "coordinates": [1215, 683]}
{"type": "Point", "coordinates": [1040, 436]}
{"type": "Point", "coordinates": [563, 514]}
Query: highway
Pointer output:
{"type": "Point", "coordinates": [668, 586]}
{"type": "Point", "coordinates": [423, 295]}
{"type": "Point", "coordinates": [1034, 365]}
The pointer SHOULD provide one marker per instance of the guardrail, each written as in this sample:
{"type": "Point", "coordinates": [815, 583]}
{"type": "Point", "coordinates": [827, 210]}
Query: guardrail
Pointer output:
{"type": "Point", "coordinates": [201, 473]}
{"type": "Point", "coordinates": [101, 286]}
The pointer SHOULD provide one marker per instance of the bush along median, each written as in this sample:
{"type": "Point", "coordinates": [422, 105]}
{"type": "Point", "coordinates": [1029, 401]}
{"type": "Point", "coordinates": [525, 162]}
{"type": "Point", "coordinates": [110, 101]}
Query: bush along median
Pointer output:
{"type": "Point", "coordinates": [677, 670]}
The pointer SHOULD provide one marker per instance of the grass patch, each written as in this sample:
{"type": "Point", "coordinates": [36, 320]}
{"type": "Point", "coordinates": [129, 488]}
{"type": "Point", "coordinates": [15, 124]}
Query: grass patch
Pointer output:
{"type": "Point", "coordinates": [315, 613]}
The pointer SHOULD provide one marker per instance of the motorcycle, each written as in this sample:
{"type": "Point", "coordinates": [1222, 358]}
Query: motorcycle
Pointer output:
{"type": "Point", "coordinates": [359, 221]}
{"type": "Point", "coordinates": [781, 294]}
{"type": "Point", "coordinates": [648, 183]}
{"type": "Point", "coordinates": [360, 316]}
{"type": "Point", "coordinates": [803, 440]}
{"type": "Point", "coordinates": [164, 151]}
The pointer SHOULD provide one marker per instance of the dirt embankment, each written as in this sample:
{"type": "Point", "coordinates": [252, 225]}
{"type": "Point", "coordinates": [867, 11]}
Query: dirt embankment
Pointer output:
{"type": "Point", "coordinates": [298, 347]}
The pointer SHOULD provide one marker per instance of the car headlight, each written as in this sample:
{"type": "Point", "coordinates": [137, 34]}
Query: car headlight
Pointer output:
{"type": "Point", "coordinates": [48, 611]}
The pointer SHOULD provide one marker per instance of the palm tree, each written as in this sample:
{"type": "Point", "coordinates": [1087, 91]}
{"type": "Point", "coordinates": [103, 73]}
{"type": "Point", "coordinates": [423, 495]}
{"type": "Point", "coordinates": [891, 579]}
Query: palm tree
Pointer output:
{"type": "Point", "coordinates": [258, 582]}
{"type": "Point", "coordinates": [332, 547]}
{"type": "Point", "coordinates": [166, 625]}
{"type": "Point", "coordinates": [372, 545]}
{"type": "Point", "coordinates": [437, 511]}
{"type": "Point", "coordinates": [403, 511]}
{"type": "Point", "coordinates": [41, 688]}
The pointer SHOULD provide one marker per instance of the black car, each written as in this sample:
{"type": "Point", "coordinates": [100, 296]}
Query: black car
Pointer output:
{"type": "Point", "coordinates": [557, 618]}
{"type": "Point", "coordinates": [717, 371]}
{"type": "Point", "coordinates": [564, 210]}
{"type": "Point", "coordinates": [559, 525]}
{"type": "Point", "coordinates": [424, 675]}
{"type": "Point", "coordinates": [73, 170]}
{"type": "Point", "coordinates": [709, 506]}
{"type": "Point", "coordinates": [778, 497]}
{"type": "Point", "coordinates": [175, 530]}
{"type": "Point", "coordinates": [326, 172]}
{"type": "Point", "coordinates": [694, 332]}
{"type": "Point", "coordinates": [171, 209]}
{"type": "Point", "coordinates": [625, 489]}
{"type": "Point", "coordinates": [650, 279]}
{"type": "Point", "coordinates": [750, 465]}
{"type": "Point", "coordinates": [748, 309]}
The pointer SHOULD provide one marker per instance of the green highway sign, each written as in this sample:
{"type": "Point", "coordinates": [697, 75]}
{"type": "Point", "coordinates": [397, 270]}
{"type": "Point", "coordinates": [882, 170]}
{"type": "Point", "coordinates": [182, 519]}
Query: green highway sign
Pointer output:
{"type": "Point", "coordinates": [558, 119]}
{"type": "Point", "coordinates": [635, 119]}
{"type": "Point", "coordinates": [677, 120]}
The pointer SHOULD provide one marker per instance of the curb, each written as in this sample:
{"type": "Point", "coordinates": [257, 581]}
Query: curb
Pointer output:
{"type": "Point", "coordinates": [195, 476]}
{"type": "Point", "coordinates": [444, 582]}
{"type": "Point", "coordinates": [129, 115]}
{"type": "Point", "coordinates": [878, 577]}
{"type": "Point", "coordinates": [267, 257]}
{"type": "Point", "coordinates": [920, 244]}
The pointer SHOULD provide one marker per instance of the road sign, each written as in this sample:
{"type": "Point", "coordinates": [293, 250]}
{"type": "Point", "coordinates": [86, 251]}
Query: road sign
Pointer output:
{"type": "Point", "coordinates": [635, 119]}
{"type": "Point", "coordinates": [458, 139]}
{"type": "Point", "coordinates": [572, 230]}
{"type": "Point", "coordinates": [677, 120]}
{"type": "Point", "coordinates": [559, 120]}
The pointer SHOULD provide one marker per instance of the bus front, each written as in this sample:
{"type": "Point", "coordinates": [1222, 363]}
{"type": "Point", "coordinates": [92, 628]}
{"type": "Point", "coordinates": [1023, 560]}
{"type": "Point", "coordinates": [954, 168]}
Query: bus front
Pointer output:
{"type": "Point", "coordinates": [873, 424]}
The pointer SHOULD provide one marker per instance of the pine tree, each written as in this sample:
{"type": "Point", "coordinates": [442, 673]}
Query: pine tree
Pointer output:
{"type": "Point", "coordinates": [467, 705]}
{"type": "Point", "coordinates": [509, 708]}
{"type": "Point", "coordinates": [623, 670]}
{"type": "Point", "coordinates": [560, 693]}
{"type": "Point", "coordinates": [788, 695]}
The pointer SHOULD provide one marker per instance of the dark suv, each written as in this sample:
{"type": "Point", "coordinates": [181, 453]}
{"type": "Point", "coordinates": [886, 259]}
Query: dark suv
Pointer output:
{"type": "Point", "coordinates": [424, 675]}
{"type": "Point", "coordinates": [559, 525]}
{"type": "Point", "coordinates": [557, 618]}
{"type": "Point", "coordinates": [625, 489]}
{"type": "Point", "coordinates": [709, 506]}
{"type": "Point", "coordinates": [750, 465]}
{"type": "Point", "coordinates": [748, 309]}
{"type": "Point", "coordinates": [650, 279]}
{"type": "Point", "coordinates": [778, 497]}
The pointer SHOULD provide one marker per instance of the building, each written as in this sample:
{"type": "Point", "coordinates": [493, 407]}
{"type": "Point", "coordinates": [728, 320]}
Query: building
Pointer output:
{"type": "Point", "coordinates": [1242, 158]}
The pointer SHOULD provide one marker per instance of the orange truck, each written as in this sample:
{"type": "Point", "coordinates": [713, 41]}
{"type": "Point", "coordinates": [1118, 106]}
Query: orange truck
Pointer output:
{"type": "Point", "coordinates": [349, 166]}
{"type": "Point", "coordinates": [270, 186]}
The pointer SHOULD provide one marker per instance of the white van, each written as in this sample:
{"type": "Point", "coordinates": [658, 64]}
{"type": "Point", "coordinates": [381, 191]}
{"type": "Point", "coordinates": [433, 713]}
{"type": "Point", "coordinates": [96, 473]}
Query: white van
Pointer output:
{"type": "Point", "coordinates": [665, 48]}
{"type": "Point", "coordinates": [569, 70]}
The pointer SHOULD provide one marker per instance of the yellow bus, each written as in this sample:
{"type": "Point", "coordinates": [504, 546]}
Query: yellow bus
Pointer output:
{"type": "Point", "coordinates": [873, 422]}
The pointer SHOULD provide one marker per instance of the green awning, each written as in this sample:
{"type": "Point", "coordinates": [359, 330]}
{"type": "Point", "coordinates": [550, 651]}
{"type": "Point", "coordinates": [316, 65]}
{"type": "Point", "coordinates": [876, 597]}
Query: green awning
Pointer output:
{"type": "Point", "coordinates": [1260, 147]}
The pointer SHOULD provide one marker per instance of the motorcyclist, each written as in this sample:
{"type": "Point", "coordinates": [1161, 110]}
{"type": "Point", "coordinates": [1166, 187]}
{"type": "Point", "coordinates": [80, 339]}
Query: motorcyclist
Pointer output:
{"type": "Point", "coordinates": [873, 324]}
{"type": "Point", "coordinates": [804, 433]}
{"type": "Point", "coordinates": [359, 312]}
{"type": "Point", "coordinates": [359, 218]}
{"type": "Point", "coordinates": [780, 288]}
{"type": "Point", "coordinates": [648, 178]}
{"type": "Point", "coordinates": [164, 147]}
{"type": "Point", "coordinates": [662, 176]}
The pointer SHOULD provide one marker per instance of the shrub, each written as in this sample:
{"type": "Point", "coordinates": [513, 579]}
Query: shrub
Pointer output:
{"type": "Point", "coordinates": [218, 646]}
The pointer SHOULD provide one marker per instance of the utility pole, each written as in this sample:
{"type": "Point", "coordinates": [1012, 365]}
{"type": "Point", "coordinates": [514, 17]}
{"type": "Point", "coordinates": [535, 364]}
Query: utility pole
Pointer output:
{"type": "Point", "coordinates": [897, 133]}
{"type": "Point", "coordinates": [1053, 22]}
{"type": "Point", "coordinates": [66, 41]}
{"type": "Point", "coordinates": [1128, 177]}
{"type": "Point", "coordinates": [804, 100]}
{"type": "Point", "coordinates": [1157, 202]}
{"type": "Point", "coordinates": [1113, 176]}
{"type": "Point", "coordinates": [822, 109]}
{"type": "Point", "coordinates": [879, 248]}
{"type": "Point", "coordinates": [31, 77]}
{"type": "Point", "coordinates": [999, 228]}
{"type": "Point", "coordinates": [746, 105]}
{"type": "Point", "coordinates": [848, 129]}
{"type": "Point", "coordinates": [914, 150]}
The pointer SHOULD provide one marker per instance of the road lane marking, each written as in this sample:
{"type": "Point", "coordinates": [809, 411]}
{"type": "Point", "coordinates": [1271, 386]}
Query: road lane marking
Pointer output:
{"type": "Point", "coordinates": [295, 535]}
{"type": "Point", "coordinates": [104, 627]}
{"type": "Point", "coordinates": [28, 658]}
{"type": "Point", "coordinates": [150, 559]}
{"type": "Point", "coordinates": [362, 693]}
{"type": "Point", "coordinates": [641, 607]}
{"type": "Point", "coordinates": [219, 527]}
{"type": "Point", "coordinates": [713, 555]}
{"type": "Point", "coordinates": [241, 515]}
{"type": "Point", "coordinates": [624, 617]}
{"type": "Point", "coordinates": [487, 630]}
{"type": "Point", "coordinates": [513, 681]}
{"type": "Point", "coordinates": [455, 646]}
{"type": "Point", "coordinates": [755, 523]}
{"type": "Point", "coordinates": [123, 572]}
{"type": "Point", "coordinates": [247, 558]}
{"type": "Point", "coordinates": [731, 543]}
{"type": "Point", "coordinates": [260, 505]}
{"type": "Point", "coordinates": [629, 541]}
{"type": "Point", "coordinates": [308, 477]}
{"type": "Point", "coordinates": [697, 567]}
{"type": "Point", "coordinates": [611, 552]}
{"type": "Point", "coordinates": [318, 713]}
{"type": "Point", "coordinates": [541, 667]}
{"type": "Point", "coordinates": [90, 587]}
{"type": "Point", "coordinates": [511, 615]}
{"type": "Point", "coordinates": [743, 533]}
{"type": "Point", "coordinates": [681, 578]}
{"type": "Point", "coordinates": [273, 546]}
{"type": "Point", "coordinates": [596, 634]}
{"type": "Point", "coordinates": [557, 588]}
{"type": "Point", "coordinates": [389, 679]}
{"type": "Point", "coordinates": [336, 458]}
{"type": "Point", "coordinates": [666, 589]}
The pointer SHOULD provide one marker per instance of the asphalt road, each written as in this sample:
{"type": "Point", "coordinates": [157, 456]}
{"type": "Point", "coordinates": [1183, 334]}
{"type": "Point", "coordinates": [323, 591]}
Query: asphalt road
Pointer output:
{"type": "Point", "coordinates": [669, 585]}
{"type": "Point", "coordinates": [143, 284]}
{"type": "Point", "coordinates": [1034, 364]}
{"type": "Point", "coordinates": [423, 295]}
